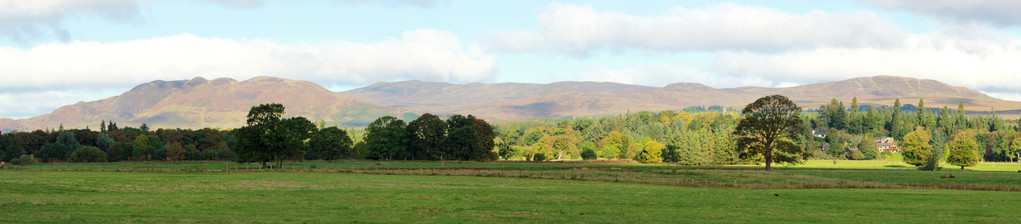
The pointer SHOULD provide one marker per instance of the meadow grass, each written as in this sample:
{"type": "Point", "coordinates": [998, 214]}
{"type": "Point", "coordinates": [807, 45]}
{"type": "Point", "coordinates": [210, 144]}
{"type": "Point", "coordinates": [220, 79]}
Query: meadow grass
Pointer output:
{"type": "Point", "coordinates": [246, 197]}
{"type": "Point", "coordinates": [809, 175]}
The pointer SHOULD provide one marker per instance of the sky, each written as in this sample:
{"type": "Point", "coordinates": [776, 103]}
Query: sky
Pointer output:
{"type": "Point", "coordinates": [60, 52]}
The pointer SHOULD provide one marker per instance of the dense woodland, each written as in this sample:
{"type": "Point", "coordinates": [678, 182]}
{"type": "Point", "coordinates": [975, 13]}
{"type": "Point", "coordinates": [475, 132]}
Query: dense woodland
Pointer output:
{"type": "Point", "coordinates": [267, 137]}
{"type": "Point", "coordinates": [692, 136]}
{"type": "Point", "coordinates": [704, 137]}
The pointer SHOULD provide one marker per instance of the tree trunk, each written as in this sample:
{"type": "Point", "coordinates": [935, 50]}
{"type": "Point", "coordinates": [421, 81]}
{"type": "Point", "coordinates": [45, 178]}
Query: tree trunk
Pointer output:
{"type": "Point", "coordinates": [769, 161]}
{"type": "Point", "coordinates": [264, 164]}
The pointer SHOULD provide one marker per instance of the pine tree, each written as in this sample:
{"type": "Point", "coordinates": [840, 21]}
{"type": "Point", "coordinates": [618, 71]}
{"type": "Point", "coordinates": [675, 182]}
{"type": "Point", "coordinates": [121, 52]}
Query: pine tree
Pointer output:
{"type": "Point", "coordinates": [962, 122]}
{"type": "Point", "coordinates": [921, 112]}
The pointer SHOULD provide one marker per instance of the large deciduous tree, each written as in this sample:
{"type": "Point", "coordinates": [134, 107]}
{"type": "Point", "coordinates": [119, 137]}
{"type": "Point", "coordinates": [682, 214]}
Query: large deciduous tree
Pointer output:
{"type": "Point", "coordinates": [770, 127]}
{"type": "Point", "coordinates": [386, 137]}
{"type": "Point", "coordinates": [963, 150]}
{"type": "Point", "coordinates": [916, 147]}
{"type": "Point", "coordinates": [468, 138]}
{"type": "Point", "coordinates": [269, 137]}
{"type": "Point", "coordinates": [427, 132]}
{"type": "Point", "coordinates": [330, 143]}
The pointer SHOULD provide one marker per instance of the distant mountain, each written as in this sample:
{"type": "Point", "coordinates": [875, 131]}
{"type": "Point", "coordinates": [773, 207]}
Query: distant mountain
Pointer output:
{"type": "Point", "coordinates": [222, 103]}
{"type": "Point", "coordinates": [449, 98]}
{"type": "Point", "coordinates": [496, 102]}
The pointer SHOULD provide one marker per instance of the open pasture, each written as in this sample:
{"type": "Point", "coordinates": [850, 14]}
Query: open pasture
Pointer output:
{"type": "Point", "coordinates": [809, 175]}
{"type": "Point", "coordinates": [244, 197]}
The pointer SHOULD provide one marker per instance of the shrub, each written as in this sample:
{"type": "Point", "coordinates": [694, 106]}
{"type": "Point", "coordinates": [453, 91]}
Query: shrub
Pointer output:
{"type": "Point", "coordinates": [25, 160]}
{"type": "Point", "coordinates": [610, 152]}
{"type": "Point", "coordinates": [88, 154]}
{"type": "Point", "coordinates": [119, 151]}
{"type": "Point", "coordinates": [651, 153]}
{"type": "Point", "coordinates": [931, 163]}
{"type": "Point", "coordinates": [175, 152]}
{"type": "Point", "coordinates": [588, 154]}
{"type": "Point", "coordinates": [539, 157]}
{"type": "Point", "coordinates": [857, 155]}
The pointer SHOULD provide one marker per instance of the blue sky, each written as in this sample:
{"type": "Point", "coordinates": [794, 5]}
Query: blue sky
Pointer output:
{"type": "Point", "coordinates": [59, 52]}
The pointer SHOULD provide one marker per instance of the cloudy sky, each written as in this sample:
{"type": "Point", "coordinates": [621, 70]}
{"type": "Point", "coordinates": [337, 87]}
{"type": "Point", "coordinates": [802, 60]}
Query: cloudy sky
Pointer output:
{"type": "Point", "coordinates": [59, 52]}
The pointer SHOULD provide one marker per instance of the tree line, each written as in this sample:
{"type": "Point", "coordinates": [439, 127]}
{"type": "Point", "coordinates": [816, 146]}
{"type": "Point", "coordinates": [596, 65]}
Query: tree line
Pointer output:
{"type": "Point", "coordinates": [266, 137]}
{"type": "Point", "coordinates": [112, 143]}
{"type": "Point", "coordinates": [702, 138]}
{"type": "Point", "coordinates": [850, 131]}
{"type": "Point", "coordinates": [705, 138]}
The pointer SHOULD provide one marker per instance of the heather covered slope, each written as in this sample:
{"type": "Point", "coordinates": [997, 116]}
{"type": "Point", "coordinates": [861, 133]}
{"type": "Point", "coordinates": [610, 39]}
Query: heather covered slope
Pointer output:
{"type": "Point", "coordinates": [450, 98]}
{"type": "Point", "coordinates": [497, 102]}
{"type": "Point", "coordinates": [222, 103]}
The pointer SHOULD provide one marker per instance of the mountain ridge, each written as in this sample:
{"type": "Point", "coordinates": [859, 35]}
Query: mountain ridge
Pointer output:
{"type": "Point", "coordinates": [224, 102]}
{"type": "Point", "coordinates": [877, 90]}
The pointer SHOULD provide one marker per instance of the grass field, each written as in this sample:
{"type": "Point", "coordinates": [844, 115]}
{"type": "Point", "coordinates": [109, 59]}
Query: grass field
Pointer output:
{"type": "Point", "coordinates": [576, 192]}
{"type": "Point", "coordinates": [114, 197]}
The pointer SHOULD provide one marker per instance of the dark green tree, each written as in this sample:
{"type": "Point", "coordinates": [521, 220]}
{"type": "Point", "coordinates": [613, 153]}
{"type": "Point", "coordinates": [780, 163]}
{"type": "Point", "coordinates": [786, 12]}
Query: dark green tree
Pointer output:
{"type": "Point", "coordinates": [269, 137]}
{"type": "Point", "coordinates": [459, 143]}
{"type": "Point", "coordinates": [12, 152]}
{"type": "Point", "coordinates": [104, 141]}
{"type": "Point", "coordinates": [87, 154]}
{"type": "Point", "coordinates": [427, 132]}
{"type": "Point", "coordinates": [387, 137]}
{"type": "Point", "coordinates": [588, 154]}
{"type": "Point", "coordinates": [834, 115]}
{"type": "Point", "coordinates": [769, 128]}
{"type": "Point", "coordinates": [119, 151]}
{"type": "Point", "coordinates": [60, 149]}
{"type": "Point", "coordinates": [507, 151]}
{"type": "Point", "coordinates": [484, 137]}
{"type": "Point", "coordinates": [868, 147]}
{"type": "Point", "coordinates": [329, 144]}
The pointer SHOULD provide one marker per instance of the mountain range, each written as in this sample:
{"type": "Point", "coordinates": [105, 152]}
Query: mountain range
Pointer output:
{"type": "Point", "coordinates": [224, 102]}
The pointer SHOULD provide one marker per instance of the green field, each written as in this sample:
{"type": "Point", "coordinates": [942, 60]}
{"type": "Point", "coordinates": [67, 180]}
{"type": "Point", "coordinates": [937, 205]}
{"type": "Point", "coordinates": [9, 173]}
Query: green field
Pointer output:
{"type": "Point", "coordinates": [573, 192]}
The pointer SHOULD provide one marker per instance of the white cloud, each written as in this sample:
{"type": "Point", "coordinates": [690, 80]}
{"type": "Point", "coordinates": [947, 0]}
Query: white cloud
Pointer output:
{"type": "Point", "coordinates": [579, 29]}
{"type": "Point", "coordinates": [973, 61]}
{"type": "Point", "coordinates": [419, 54]}
{"type": "Point", "coordinates": [663, 74]}
{"type": "Point", "coordinates": [997, 12]}
{"type": "Point", "coordinates": [34, 21]}
{"type": "Point", "coordinates": [1007, 95]}
{"type": "Point", "coordinates": [420, 3]}
{"type": "Point", "coordinates": [13, 104]}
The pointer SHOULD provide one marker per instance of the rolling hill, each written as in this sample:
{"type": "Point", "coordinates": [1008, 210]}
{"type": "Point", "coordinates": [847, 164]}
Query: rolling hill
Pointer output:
{"type": "Point", "coordinates": [567, 99]}
{"type": "Point", "coordinates": [224, 102]}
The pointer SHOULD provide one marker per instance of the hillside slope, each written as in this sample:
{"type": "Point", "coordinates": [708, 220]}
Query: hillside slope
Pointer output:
{"type": "Point", "coordinates": [446, 97]}
{"type": "Point", "coordinates": [511, 105]}
{"type": "Point", "coordinates": [222, 103]}
{"type": "Point", "coordinates": [225, 102]}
